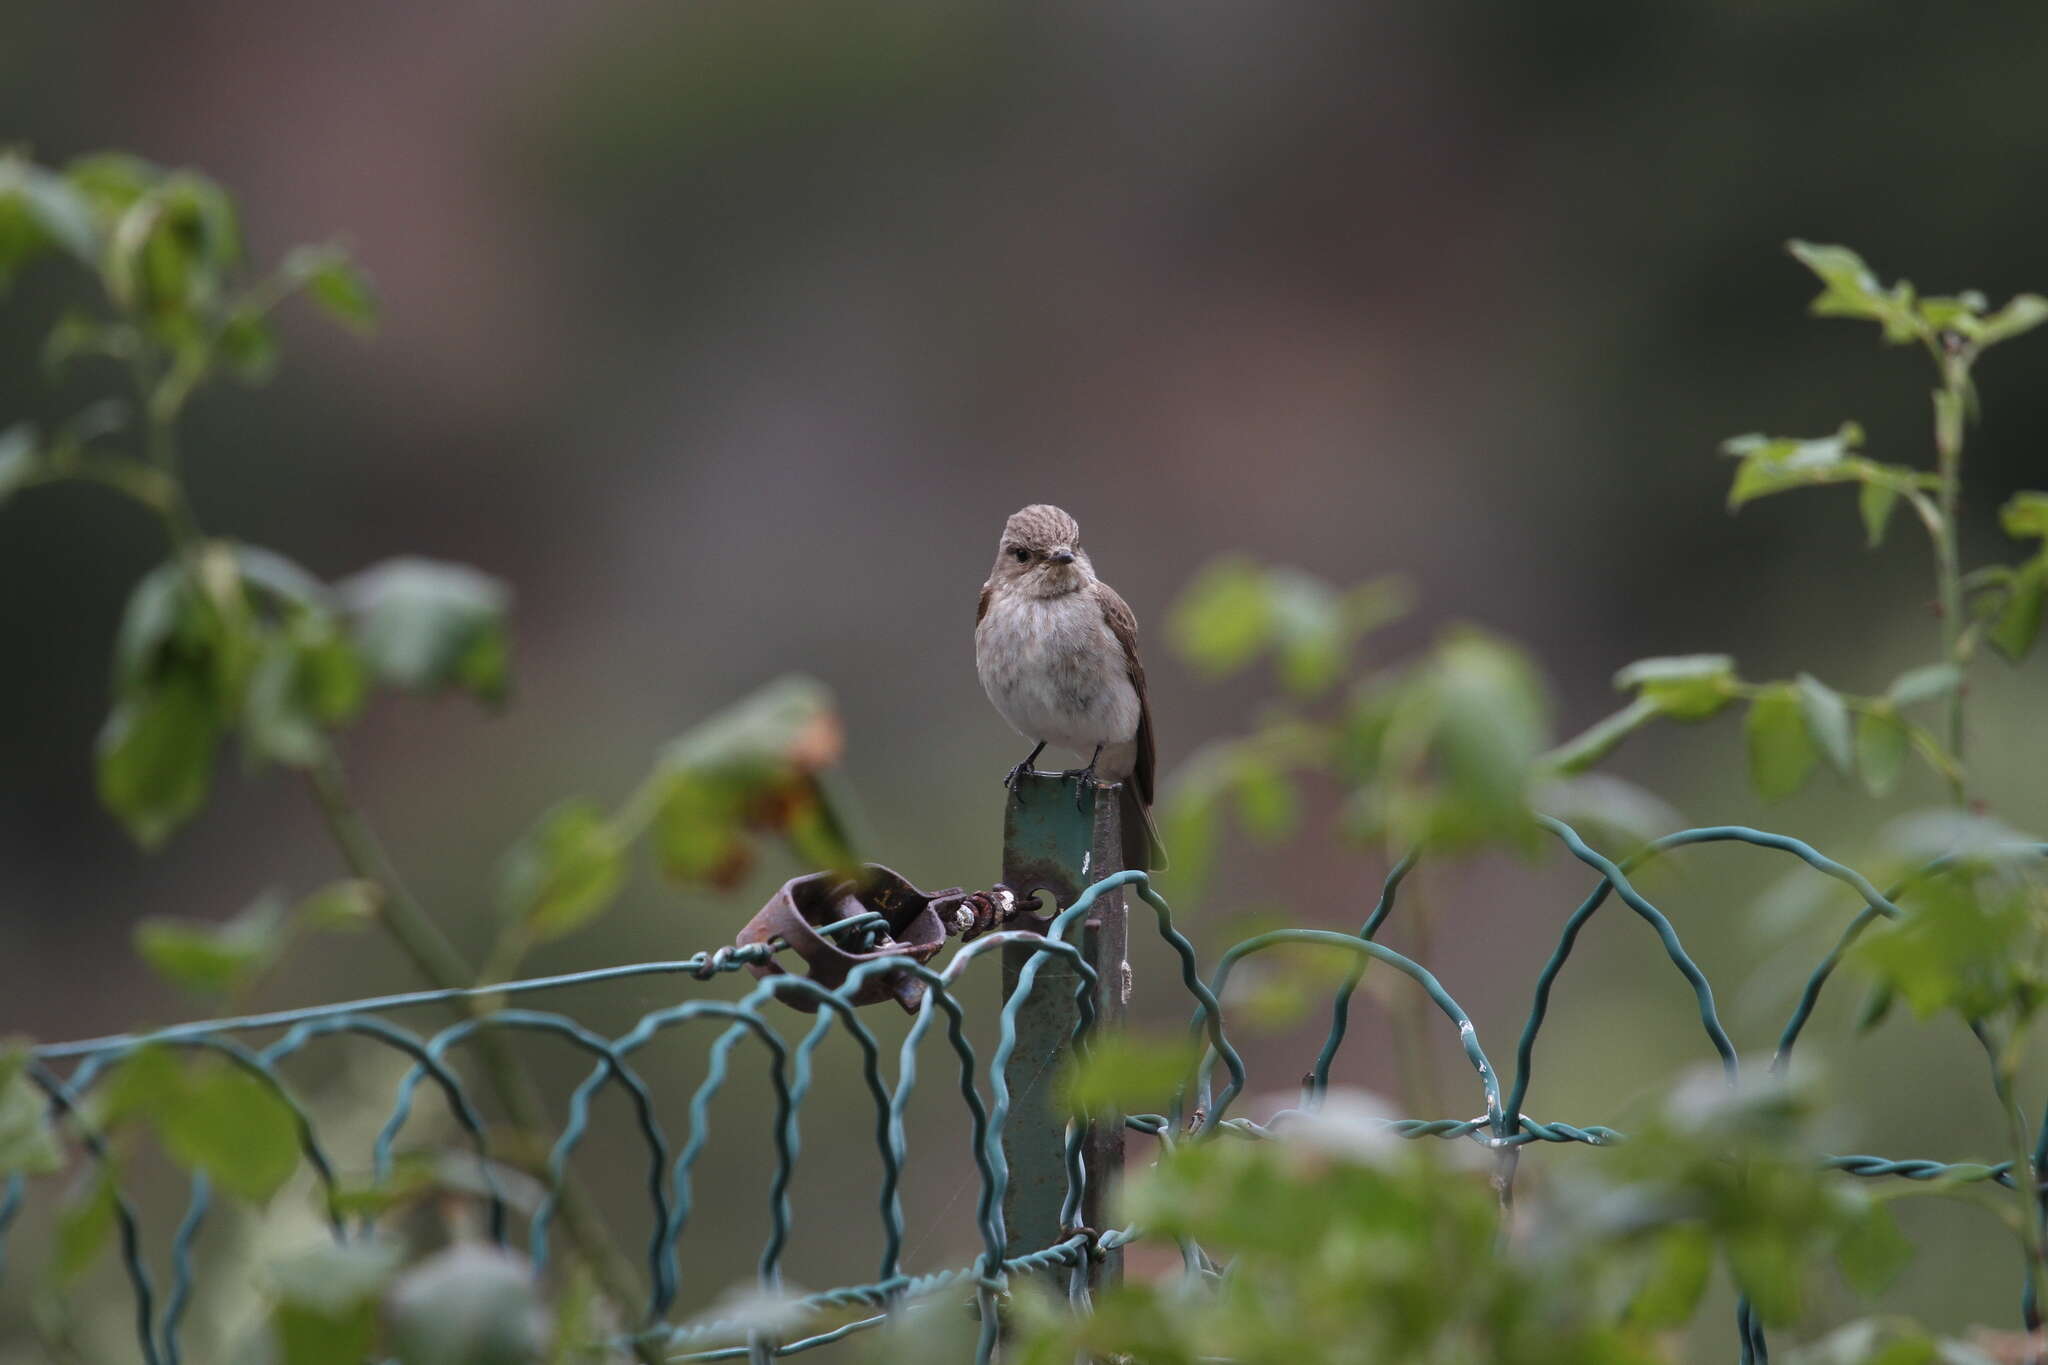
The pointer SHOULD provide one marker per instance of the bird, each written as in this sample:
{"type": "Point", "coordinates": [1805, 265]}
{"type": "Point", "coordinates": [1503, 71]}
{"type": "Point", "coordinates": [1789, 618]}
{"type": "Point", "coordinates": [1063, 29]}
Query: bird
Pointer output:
{"type": "Point", "coordinates": [1057, 652]}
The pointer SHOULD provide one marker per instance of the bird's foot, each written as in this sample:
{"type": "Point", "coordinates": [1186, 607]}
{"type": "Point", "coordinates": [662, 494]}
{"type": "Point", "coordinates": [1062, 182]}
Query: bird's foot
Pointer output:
{"type": "Point", "coordinates": [1016, 774]}
{"type": "Point", "coordinates": [1085, 785]}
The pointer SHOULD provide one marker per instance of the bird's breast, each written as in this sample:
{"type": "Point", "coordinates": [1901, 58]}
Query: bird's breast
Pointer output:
{"type": "Point", "coordinates": [1055, 670]}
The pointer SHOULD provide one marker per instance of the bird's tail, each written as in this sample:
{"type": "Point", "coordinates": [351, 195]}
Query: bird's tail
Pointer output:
{"type": "Point", "coordinates": [1142, 848]}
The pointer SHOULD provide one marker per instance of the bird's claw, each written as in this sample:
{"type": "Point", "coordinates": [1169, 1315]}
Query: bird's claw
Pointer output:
{"type": "Point", "coordinates": [1085, 784]}
{"type": "Point", "coordinates": [1016, 774]}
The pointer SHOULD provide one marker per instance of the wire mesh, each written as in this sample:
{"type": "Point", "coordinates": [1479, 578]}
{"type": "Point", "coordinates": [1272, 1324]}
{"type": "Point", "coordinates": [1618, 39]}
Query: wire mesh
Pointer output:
{"type": "Point", "coordinates": [69, 1072]}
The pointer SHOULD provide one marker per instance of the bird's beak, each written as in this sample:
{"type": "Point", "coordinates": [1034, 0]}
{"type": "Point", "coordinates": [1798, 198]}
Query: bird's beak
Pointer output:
{"type": "Point", "coordinates": [1063, 557]}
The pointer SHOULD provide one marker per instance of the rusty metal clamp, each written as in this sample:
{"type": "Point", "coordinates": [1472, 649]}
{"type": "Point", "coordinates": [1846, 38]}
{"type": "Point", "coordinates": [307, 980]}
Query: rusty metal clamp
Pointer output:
{"type": "Point", "coordinates": [912, 928]}
{"type": "Point", "coordinates": [967, 915]}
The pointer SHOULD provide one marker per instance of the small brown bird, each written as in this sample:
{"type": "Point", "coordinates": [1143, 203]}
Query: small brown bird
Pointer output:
{"type": "Point", "coordinates": [1057, 652]}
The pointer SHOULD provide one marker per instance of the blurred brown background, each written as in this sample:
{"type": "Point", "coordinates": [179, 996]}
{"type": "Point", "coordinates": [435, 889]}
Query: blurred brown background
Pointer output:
{"type": "Point", "coordinates": [729, 333]}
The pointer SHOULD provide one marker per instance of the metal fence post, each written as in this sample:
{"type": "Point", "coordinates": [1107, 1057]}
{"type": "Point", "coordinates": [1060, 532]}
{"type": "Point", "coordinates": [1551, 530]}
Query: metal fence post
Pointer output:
{"type": "Point", "coordinates": [1053, 840]}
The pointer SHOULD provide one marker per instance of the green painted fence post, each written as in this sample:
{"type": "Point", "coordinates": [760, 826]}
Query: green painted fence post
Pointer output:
{"type": "Point", "coordinates": [1053, 840]}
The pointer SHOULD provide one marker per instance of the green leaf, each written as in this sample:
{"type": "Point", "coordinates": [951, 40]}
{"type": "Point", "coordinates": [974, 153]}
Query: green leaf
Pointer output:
{"type": "Point", "coordinates": [332, 1277]}
{"type": "Point", "coordinates": [307, 680]}
{"type": "Point", "coordinates": [1684, 687]}
{"type": "Point", "coordinates": [2025, 516]}
{"type": "Point", "coordinates": [37, 206]}
{"type": "Point", "coordinates": [1857, 1343]}
{"type": "Point", "coordinates": [426, 626]}
{"type": "Point", "coordinates": [1224, 619]}
{"type": "Point", "coordinates": [1881, 743]}
{"type": "Point", "coordinates": [1591, 745]}
{"type": "Point", "coordinates": [1959, 314]}
{"type": "Point", "coordinates": [700, 830]}
{"type": "Point", "coordinates": [281, 578]}
{"type": "Point", "coordinates": [1602, 806]}
{"type": "Point", "coordinates": [78, 335]}
{"type": "Point", "coordinates": [1852, 291]}
{"type": "Point", "coordinates": [1912, 1350]}
{"type": "Point", "coordinates": [1827, 720]}
{"type": "Point", "coordinates": [20, 462]}
{"type": "Point", "coordinates": [1128, 1074]}
{"type": "Point", "coordinates": [155, 616]}
{"type": "Point", "coordinates": [1683, 1255]}
{"type": "Point", "coordinates": [111, 181]}
{"type": "Point", "coordinates": [1841, 270]}
{"type": "Point", "coordinates": [1966, 942]}
{"type": "Point", "coordinates": [211, 1116]}
{"type": "Point", "coordinates": [1971, 840]}
{"type": "Point", "coordinates": [192, 623]}
{"type": "Point", "coordinates": [1377, 602]}
{"type": "Point", "coordinates": [754, 765]}
{"type": "Point", "coordinates": [274, 726]}
{"type": "Point", "coordinates": [214, 959]}
{"type": "Point", "coordinates": [249, 346]}
{"type": "Point", "coordinates": [169, 254]}
{"type": "Point", "coordinates": [1267, 805]}
{"type": "Point", "coordinates": [1774, 464]}
{"type": "Point", "coordinates": [1767, 1268]}
{"type": "Point", "coordinates": [580, 1322]}
{"type": "Point", "coordinates": [155, 757]}
{"type": "Point", "coordinates": [85, 1226]}
{"type": "Point", "coordinates": [1308, 621]}
{"type": "Point", "coordinates": [1781, 752]}
{"type": "Point", "coordinates": [1924, 683]}
{"type": "Point", "coordinates": [28, 1144]}
{"type": "Point", "coordinates": [346, 906]}
{"type": "Point", "coordinates": [2024, 313]}
{"type": "Point", "coordinates": [334, 282]}
{"type": "Point", "coordinates": [326, 1311]}
{"type": "Point", "coordinates": [1869, 1247]}
{"type": "Point", "coordinates": [1875, 1009]}
{"type": "Point", "coordinates": [1875, 502]}
{"type": "Point", "coordinates": [1274, 992]}
{"type": "Point", "coordinates": [1190, 815]}
{"type": "Point", "coordinates": [2019, 619]}
{"type": "Point", "coordinates": [305, 1337]}
{"type": "Point", "coordinates": [564, 872]}
{"type": "Point", "coordinates": [1489, 722]}
{"type": "Point", "coordinates": [236, 1129]}
{"type": "Point", "coordinates": [468, 1305]}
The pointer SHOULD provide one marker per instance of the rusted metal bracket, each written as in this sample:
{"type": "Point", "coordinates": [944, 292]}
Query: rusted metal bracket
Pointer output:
{"type": "Point", "coordinates": [910, 927]}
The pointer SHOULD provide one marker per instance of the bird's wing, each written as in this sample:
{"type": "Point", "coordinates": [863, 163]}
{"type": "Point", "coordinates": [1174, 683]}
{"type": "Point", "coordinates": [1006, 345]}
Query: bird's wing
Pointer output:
{"type": "Point", "coordinates": [1124, 625]}
{"type": "Point", "coordinates": [981, 607]}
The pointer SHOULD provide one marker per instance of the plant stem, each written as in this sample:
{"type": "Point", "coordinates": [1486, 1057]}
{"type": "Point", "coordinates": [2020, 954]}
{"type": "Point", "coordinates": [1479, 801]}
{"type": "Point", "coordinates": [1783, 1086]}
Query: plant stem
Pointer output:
{"type": "Point", "coordinates": [2026, 1179]}
{"type": "Point", "coordinates": [444, 966]}
{"type": "Point", "coordinates": [437, 959]}
{"type": "Point", "coordinates": [1949, 404]}
{"type": "Point", "coordinates": [161, 390]}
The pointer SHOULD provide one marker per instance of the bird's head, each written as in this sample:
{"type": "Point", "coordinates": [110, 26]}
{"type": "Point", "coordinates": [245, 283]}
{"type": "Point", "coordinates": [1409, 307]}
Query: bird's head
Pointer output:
{"type": "Point", "coordinates": [1040, 553]}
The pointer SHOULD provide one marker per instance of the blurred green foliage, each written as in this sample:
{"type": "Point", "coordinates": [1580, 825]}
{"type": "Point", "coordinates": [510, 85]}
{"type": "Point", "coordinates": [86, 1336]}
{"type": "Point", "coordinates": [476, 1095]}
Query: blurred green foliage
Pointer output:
{"type": "Point", "coordinates": [1344, 1242]}
{"type": "Point", "coordinates": [1333, 1240]}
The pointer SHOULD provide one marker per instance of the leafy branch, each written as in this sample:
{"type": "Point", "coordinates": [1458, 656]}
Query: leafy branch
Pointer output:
{"type": "Point", "coordinates": [1789, 721]}
{"type": "Point", "coordinates": [231, 641]}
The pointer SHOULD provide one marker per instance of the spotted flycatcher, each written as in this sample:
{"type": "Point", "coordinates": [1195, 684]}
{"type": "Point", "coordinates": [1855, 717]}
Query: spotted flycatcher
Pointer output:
{"type": "Point", "coordinates": [1057, 651]}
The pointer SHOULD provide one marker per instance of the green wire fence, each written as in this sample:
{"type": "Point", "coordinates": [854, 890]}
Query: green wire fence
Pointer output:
{"type": "Point", "coordinates": [69, 1072]}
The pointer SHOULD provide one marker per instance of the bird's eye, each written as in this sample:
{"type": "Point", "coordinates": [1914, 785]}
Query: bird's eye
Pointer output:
{"type": "Point", "coordinates": [1020, 554]}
